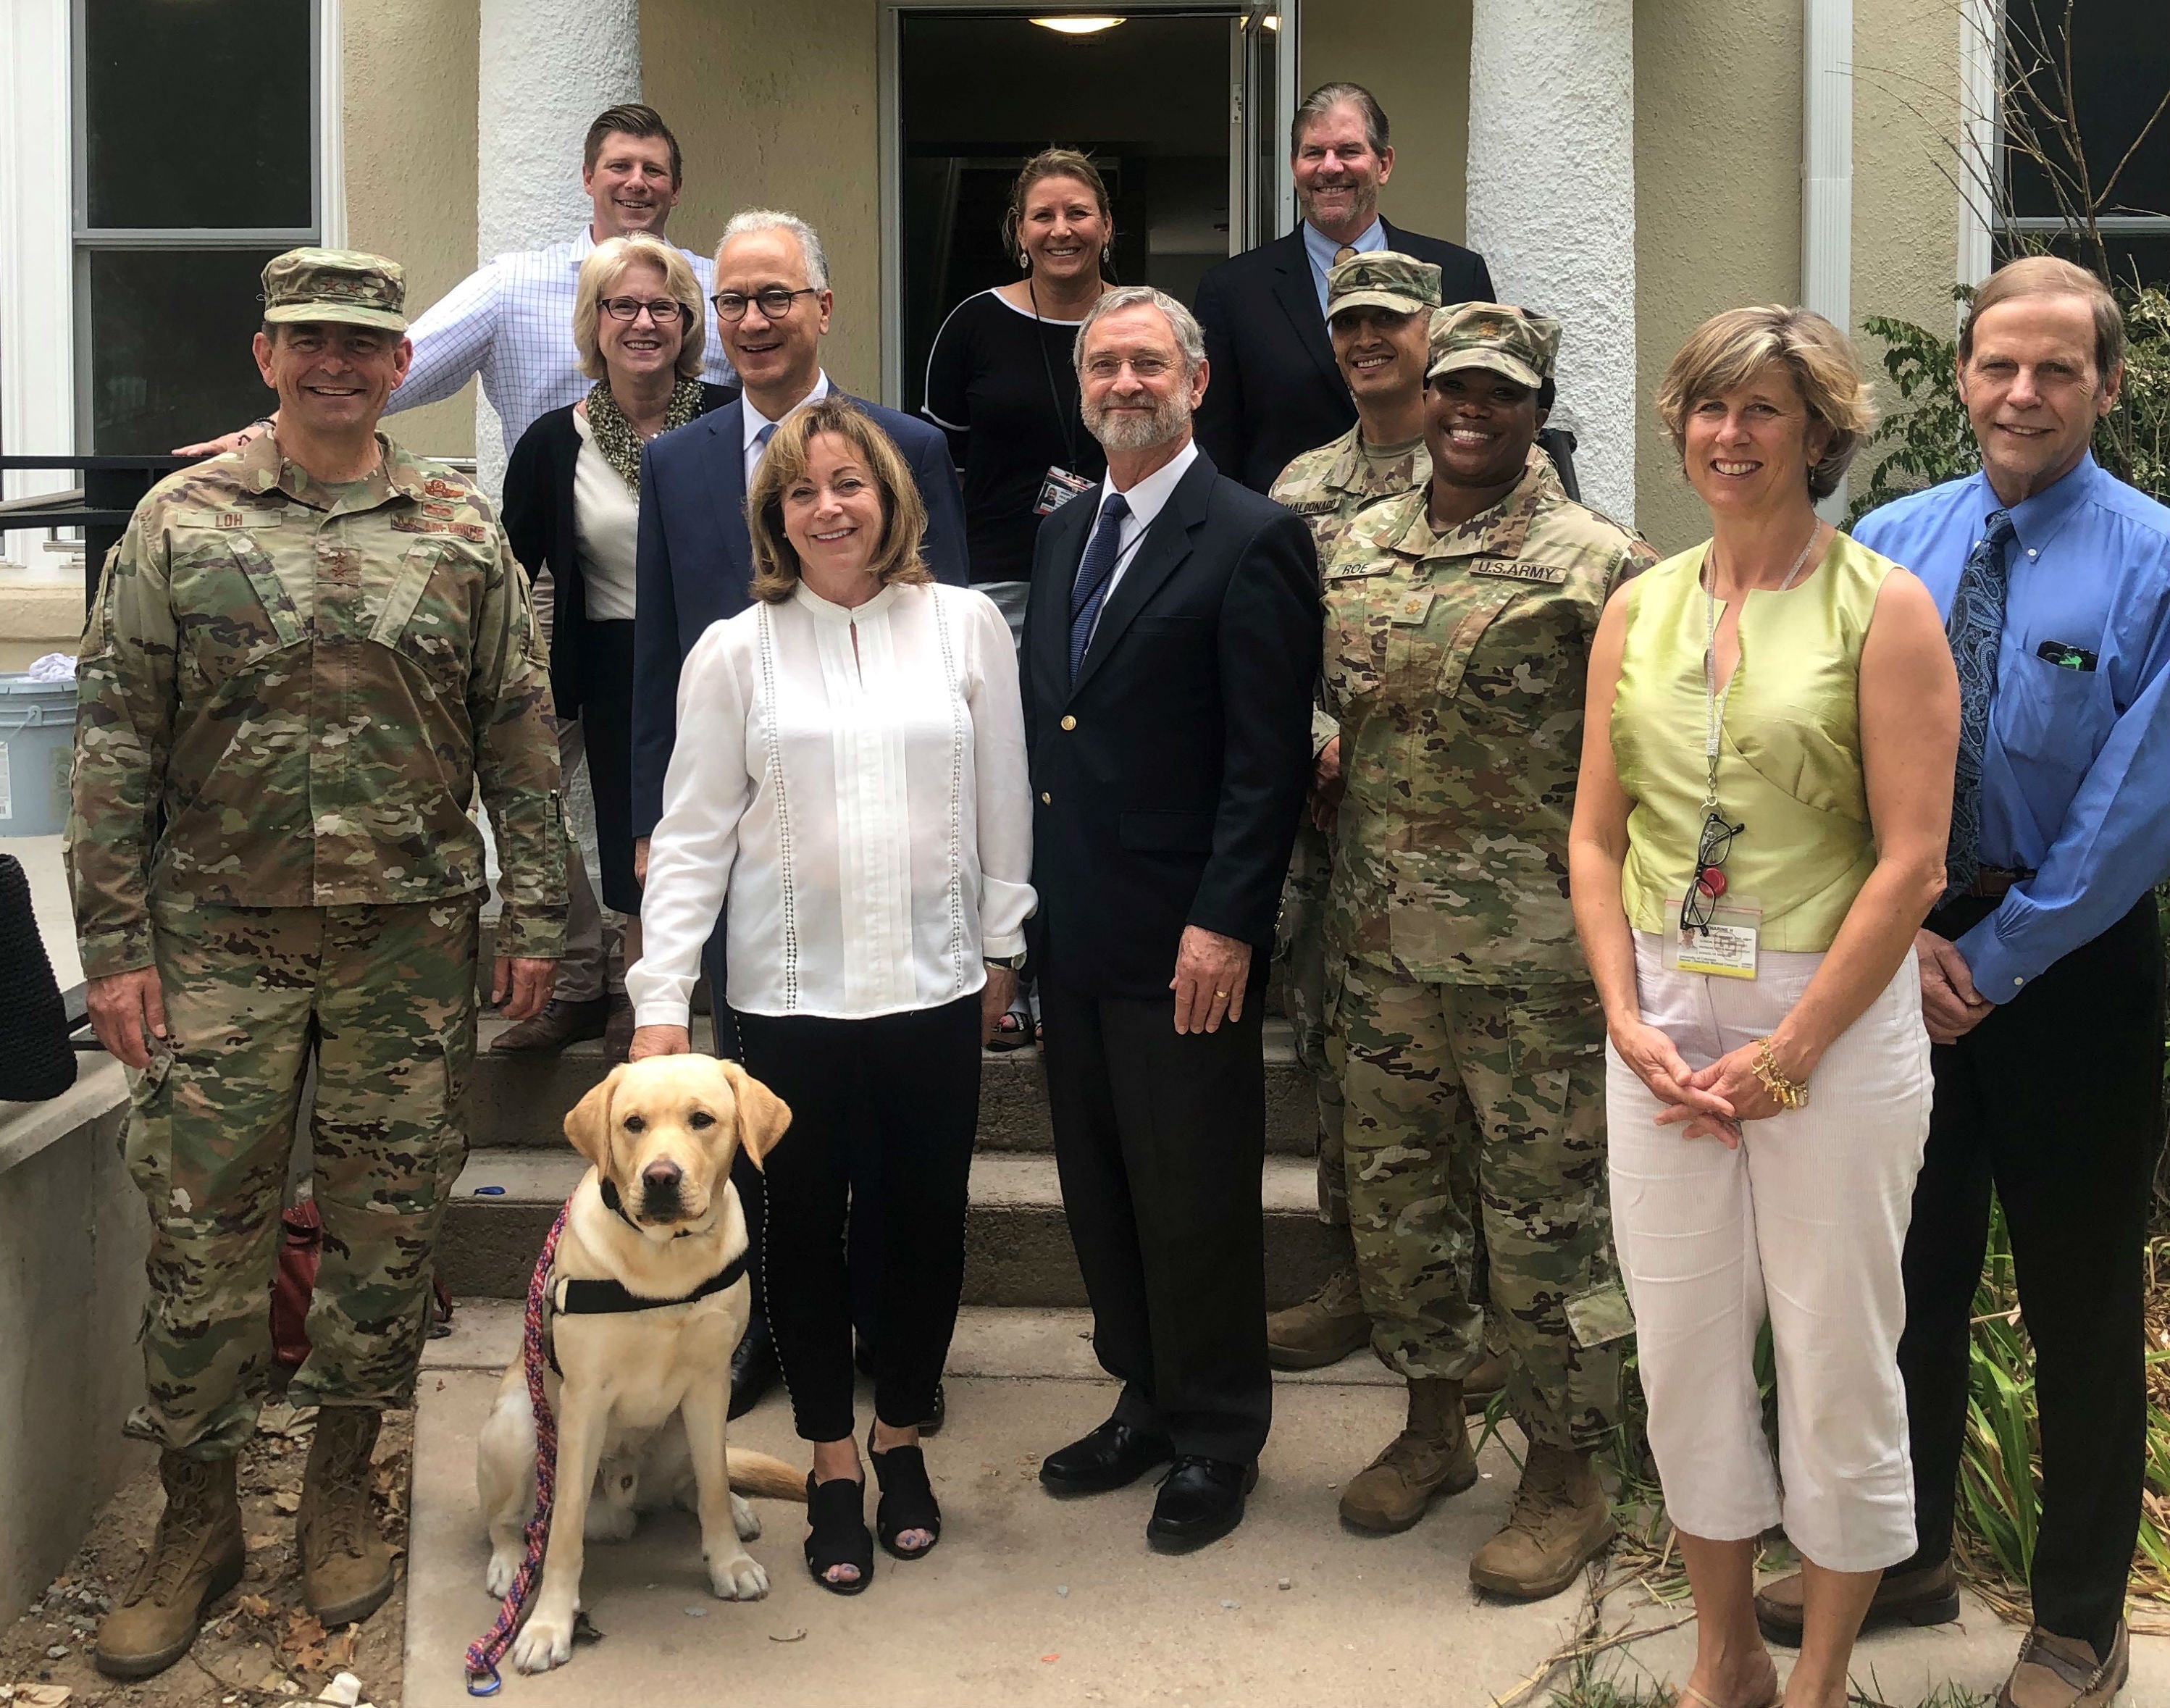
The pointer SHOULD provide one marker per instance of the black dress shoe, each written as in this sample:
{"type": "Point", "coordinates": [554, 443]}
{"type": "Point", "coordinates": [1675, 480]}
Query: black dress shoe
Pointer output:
{"type": "Point", "coordinates": [1114, 1456]}
{"type": "Point", "coordinates": [754, 1369]}
{"type": "Point", "coordinates": [1201, 1500]}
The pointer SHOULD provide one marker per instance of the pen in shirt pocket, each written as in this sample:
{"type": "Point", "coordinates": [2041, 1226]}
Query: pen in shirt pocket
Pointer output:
{"type": "Point", "coordinates": [2065, 655]}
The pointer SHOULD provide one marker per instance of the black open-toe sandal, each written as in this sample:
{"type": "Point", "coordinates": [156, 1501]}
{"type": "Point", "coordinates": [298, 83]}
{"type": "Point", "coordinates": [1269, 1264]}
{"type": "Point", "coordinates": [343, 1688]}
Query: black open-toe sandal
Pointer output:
{"type": "Point", "coordinates": [836, 1533]}
{"type": "Point", "coordinates": [907, 1500]}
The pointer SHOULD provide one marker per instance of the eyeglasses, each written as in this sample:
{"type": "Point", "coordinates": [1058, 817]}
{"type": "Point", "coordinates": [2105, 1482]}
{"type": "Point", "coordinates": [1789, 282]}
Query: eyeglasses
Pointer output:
{"type": "Point", "coordinates": [1700, 904]}
{"type": "Point", "coordinates": [1144, 366]}
{"type": "Point", "coordinates": [774, 301]}
{"type": "Point", "coordinates": [662, 311]}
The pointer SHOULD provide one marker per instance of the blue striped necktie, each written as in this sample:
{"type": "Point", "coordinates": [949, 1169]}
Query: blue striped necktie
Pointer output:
{"type": "Point", "coordinates": [1090, 590]}
{"type": "Point", "coordinates": [1976, 629]}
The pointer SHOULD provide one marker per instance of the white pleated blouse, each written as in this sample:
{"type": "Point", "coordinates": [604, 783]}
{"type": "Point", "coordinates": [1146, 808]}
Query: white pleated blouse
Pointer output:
{"type": "Point", "coordinates": [849, 789]}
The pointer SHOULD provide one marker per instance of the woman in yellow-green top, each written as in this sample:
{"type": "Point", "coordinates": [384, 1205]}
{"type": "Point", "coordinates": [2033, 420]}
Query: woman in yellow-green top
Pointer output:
{"type": "Point", "coordinates": [1759, 830]}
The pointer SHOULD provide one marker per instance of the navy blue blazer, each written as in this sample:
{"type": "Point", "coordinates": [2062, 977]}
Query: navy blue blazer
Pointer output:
{"type": "Point", "coordinates": [696, 561]}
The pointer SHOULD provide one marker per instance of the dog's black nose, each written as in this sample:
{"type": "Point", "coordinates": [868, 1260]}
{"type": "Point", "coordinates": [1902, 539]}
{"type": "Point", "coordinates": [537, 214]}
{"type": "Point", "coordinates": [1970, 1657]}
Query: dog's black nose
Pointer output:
{"type": "Point", "coordinates": [663, 1177]}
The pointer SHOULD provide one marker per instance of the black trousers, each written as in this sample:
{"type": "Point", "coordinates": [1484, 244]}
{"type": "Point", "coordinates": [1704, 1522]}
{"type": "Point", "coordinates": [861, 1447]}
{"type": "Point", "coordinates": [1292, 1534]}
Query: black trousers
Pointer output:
{"type": "Point", "coordinates": [1161, 1142]}
{"type": "Point", "coordinates": [2056, 1101]}
{"type": "Point", "coordinates": [913, 1081]}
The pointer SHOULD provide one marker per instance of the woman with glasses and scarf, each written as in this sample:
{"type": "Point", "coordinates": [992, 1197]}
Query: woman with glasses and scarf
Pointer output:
{"type": "Point", "coordinates": [1759, 830]}
{"type": "Point", "coordinates": [572, 507]}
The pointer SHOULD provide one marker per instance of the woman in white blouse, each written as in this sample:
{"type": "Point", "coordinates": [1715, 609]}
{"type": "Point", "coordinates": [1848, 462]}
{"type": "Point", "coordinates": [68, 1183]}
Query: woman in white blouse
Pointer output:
{"type": "Point", "coordinates": [849, 790]}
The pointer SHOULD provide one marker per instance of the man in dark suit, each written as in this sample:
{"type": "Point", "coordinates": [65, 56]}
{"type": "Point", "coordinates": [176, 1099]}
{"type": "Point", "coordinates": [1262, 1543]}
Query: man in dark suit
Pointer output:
{"type": "Point", "coordinates": [1171, 644]}
{"type": "Point", "coordinates": [1277, 392]}
{"type": "Point", "coordinates": [695, 560]}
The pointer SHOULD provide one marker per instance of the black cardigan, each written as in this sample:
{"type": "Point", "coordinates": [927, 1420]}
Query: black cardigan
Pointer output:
{"type": "Point", "coordinates": [538, 520]}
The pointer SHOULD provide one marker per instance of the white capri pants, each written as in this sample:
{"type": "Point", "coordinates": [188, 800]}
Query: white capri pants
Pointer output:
{"type": "Point", "coordinates": [1805, 1224]}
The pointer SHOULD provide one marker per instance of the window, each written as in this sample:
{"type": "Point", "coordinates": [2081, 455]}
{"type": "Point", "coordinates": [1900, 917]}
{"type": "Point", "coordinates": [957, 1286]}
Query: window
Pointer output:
{"type": "Point", "coordinates": [2118, 55]}
{"type": "Point", "coordinates": [196, 162]}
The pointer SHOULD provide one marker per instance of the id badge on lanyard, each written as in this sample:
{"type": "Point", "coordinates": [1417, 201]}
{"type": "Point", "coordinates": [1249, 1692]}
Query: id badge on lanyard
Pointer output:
{"type": "Point", "coordinates": [1058, 487]}
{"type": "Point", "coordinates": [1724, 948]}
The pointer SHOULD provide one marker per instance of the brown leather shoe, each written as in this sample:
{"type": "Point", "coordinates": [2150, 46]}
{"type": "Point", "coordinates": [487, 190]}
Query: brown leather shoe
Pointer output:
{"type": "Point", "coordinates": [196, 1556]}
{"type": "Point", "coordinates": [1323, 1329]}
{"type": "Point", "coordinates": [346, 1567]}
{"type": "Point", "coordinates": [1929, 1595]}
{"type": "Point", "coordinates": [1431, 1456]}
{"type": "Point", "coordinates": [2055, 1672]}
{"type": "Point", "coordinates": [1560, 1521]}
{"type": "Point", "coordinates": [618, 1033]}
{"type": "Point", "coordinates": [559, 1024]}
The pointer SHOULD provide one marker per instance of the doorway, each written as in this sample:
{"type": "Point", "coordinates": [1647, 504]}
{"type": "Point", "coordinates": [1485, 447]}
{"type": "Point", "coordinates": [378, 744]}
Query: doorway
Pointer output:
{"type": "Point", "coordinates": [1179, 109]}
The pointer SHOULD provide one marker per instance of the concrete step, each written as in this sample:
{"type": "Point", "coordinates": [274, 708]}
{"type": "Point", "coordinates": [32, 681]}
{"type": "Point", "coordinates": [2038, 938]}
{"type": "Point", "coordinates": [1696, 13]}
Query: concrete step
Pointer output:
{"type": "Point", "coordinates": [1017, 1242]}
{"type": "Point", "coordinates": [517, 1101]}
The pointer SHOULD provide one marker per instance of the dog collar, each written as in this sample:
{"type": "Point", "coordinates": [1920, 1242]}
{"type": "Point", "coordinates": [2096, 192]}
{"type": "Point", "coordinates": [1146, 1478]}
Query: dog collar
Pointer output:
{"type": "Point", "coordinates": [600, 1297]}
{"type": "Point", "coordinates": [616, 1206]}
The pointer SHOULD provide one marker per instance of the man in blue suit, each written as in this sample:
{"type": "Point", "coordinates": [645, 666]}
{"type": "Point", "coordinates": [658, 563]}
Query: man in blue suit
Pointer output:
{"type": "Point", "coordinates": [772, 305]}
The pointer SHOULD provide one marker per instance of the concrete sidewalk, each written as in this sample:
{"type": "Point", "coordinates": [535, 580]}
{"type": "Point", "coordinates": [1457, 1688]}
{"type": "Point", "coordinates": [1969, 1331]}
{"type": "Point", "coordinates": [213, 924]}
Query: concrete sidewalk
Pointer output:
{"type": "Point", "coordinates": [1039, 1602]}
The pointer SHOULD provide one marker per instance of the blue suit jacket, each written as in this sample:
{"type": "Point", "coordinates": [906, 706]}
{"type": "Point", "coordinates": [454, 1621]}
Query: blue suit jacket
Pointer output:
{"type": "Point", "coordinates": [696, 561]}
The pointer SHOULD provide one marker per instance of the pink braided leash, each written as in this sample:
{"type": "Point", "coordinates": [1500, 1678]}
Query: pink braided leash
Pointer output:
{"type": "Point", "coordinates": [486, 1651]}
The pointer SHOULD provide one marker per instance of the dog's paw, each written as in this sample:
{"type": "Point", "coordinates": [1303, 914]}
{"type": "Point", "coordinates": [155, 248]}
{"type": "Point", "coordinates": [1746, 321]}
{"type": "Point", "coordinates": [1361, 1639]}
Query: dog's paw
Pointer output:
{"type": "Point", "coordinates": [504, 1567]}
{"type": "Point", "coordinates": [543, 1643]}
{"type": "Point", "coordinates": [738, 1578]}
{"type": "Point", "coordinates": [743, 1516]}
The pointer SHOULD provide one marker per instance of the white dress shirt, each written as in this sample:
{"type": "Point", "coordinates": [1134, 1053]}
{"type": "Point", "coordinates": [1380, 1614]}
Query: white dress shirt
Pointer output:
{"type": "Point", "coordinates": [511, 321]}
{"type": "Point", "coordinates": [849, 790]}
{"type": "Point", "coordinates": [1147, 500]}
{"type": "Point", "coordinates": [755, 445]}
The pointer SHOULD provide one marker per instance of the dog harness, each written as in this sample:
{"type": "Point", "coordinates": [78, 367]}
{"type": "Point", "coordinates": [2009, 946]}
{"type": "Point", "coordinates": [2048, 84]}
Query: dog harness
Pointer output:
{"type": "Point", "coordinates": [571, 1297]}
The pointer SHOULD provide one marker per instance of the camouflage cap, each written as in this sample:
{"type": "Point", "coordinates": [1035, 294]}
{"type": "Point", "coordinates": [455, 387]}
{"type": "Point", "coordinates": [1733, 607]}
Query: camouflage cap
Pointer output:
{"type": "Point", "coordinates": [348, 285]}
{"type": "Point", "coordinates": [1382, 280]}
{"type": "Point", "coordinates": [1509, 342]}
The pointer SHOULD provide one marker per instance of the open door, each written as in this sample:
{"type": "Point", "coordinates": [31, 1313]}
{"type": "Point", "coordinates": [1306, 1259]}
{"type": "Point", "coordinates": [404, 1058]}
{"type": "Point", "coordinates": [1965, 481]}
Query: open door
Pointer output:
{"type": "Point", "coordinates": [1263, 58]}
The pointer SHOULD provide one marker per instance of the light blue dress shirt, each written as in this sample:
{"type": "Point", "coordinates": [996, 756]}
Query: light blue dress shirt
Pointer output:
{"type": "Point", "coordinates": [1322, 249]}
{"type": "Point", "coordinates": [2076, 773]}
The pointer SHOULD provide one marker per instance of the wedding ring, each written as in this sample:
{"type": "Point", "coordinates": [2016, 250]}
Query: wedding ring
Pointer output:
{"type": "Point", "coordinates": [1220, 996]}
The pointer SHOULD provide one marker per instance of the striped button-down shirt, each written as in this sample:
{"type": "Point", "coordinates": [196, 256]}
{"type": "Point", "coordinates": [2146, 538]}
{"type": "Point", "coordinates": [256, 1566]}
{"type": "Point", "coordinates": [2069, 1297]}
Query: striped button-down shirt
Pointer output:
{"type": "Point", "coordinates": [511, 322]}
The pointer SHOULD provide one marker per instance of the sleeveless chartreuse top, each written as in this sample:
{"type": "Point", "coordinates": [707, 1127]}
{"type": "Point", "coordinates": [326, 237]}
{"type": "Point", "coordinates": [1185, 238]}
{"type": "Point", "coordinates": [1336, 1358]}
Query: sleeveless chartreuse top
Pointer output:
{"type": "Point", "coordinates": [1789, 746]}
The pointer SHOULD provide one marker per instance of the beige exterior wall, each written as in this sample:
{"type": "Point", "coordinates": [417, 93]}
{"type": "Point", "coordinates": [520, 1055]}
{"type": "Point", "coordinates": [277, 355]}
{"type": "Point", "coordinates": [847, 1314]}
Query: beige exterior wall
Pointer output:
{"type": "Point", "coordinates": [1907, 114]}
{"type": "Point", "coordinates": [1413, 54]}
{"type": "Point", "coordinates": [777, 107]}
{"type": "Point", "coordinates": [409, 73]}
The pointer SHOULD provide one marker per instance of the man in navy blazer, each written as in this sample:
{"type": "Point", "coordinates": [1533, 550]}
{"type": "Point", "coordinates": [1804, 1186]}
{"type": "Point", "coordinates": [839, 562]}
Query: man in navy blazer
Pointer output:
{"type": "Point", "coordinates": [696, 559]}
{"type": "Point", "coordinates": [1276, 392]}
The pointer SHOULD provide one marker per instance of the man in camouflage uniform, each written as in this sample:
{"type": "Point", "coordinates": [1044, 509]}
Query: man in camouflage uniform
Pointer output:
{"type": "Point", "coordinates": [1378, 307]}
{"type": "Point", "coordinates": [1469, 1038]}
{"type": "Point", "coordinates": [304, 657]}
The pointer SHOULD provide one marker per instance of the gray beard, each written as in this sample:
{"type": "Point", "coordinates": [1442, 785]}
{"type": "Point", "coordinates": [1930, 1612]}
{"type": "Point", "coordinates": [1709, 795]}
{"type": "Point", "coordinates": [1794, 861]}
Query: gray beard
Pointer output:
{"type": "Point", "coordinates": [1138, 433]}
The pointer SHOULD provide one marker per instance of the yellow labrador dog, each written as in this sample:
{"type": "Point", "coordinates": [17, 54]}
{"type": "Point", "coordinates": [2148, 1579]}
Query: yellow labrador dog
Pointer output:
{"type": "Point", "coordinates": [647, 1301]}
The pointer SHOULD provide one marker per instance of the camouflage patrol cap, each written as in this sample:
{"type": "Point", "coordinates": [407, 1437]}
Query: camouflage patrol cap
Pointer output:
{"type": "Point", "coordinates": [1512, 342]}
{"type": "Point", "coordinates": [347, 285]}
{"type": "Point", "coordinates": [1382, 280]}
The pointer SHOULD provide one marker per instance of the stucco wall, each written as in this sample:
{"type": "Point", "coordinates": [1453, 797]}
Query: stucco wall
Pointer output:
{"type": "Point", "coordinates": [776, 106]}
{"type": "Point", "coordinates": [1907, 112]}
{"type": "Point", "coordinates": [410, 70]}
{"type": "Point", "coordinates": [1718, 201]}
{"type": "Point", "coordinates": [1413, 54]}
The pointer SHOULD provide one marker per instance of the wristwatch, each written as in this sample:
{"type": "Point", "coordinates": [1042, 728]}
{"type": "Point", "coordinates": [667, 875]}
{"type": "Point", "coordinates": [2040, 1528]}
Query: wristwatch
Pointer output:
{"type": "Point", "coordinates": [1015, 963]}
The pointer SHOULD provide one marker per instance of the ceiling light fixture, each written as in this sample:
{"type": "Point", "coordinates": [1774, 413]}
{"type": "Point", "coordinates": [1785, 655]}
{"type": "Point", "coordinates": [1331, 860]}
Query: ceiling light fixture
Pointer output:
{"type": "Point", "coordinates": [1077, 23]}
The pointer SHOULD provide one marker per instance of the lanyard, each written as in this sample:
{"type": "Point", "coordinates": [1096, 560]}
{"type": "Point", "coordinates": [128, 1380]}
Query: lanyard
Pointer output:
{"type": "Point", "coordinates": [1065, 418]}
{"type": "Point", "coordinates": [1714, 700]}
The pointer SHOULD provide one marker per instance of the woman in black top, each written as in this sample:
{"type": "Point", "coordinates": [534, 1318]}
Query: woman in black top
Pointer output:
{"type": "Point", "coordinates": [1001, 382]}
{"type": "Point", "coordinates": [572, 495]}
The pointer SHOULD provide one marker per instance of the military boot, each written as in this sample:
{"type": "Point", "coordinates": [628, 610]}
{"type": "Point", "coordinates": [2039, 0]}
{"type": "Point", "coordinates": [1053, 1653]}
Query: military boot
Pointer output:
{"type": "Point", "coordinates": [1559, 1521]}
{"type": "Point", "coordinates": [1481, 1383]}
{"type": "Point", "coordinates": [196, 1558]}
{"type": "Point", "coordinates": [346, 1567]}
{"type": "Point", "coordinates": [1325, 1329]}
{"type": "Point", "coordinates": [1430, 1456]}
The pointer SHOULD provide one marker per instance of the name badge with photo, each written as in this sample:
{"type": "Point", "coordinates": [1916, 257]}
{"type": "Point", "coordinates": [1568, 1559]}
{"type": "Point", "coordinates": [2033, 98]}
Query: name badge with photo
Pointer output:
{"type": "Point", "coordinates": [1723, 949]}
{"type": "Point", "coordinates": [1059, 488]}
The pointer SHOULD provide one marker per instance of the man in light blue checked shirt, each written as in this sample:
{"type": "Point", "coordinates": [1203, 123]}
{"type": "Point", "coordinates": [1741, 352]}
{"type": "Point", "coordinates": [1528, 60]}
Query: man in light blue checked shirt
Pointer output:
{"type": "Point", "coordinates": [2042, 966]}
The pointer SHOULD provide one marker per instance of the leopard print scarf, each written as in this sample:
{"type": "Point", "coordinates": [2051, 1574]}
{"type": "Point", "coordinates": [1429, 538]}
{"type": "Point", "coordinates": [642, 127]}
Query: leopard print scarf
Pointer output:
{"type": "Point", "coordinates": [614, 436]}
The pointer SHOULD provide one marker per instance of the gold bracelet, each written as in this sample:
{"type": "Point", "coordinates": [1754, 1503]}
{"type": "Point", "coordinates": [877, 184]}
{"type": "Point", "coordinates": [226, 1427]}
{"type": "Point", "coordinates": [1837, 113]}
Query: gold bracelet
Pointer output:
{"type": "Point", "coordinates": [1787, 1094]}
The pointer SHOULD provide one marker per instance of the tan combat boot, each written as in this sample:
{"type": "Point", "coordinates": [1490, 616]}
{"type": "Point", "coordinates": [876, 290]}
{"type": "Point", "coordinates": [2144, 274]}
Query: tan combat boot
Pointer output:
{"type": "Point", "coordinates": [1431, 1456]}
{"type": "Point", "coordinates": [347, 1567]}
{"type": "Point", "coordinates": [1559, 1521]}
{"type": "Point", "coordinates": [1325, 1329]}
{"type": "Point", "coordinates": [1481, 1383]}
{"type": "Point", "coordinates": [196, 1558]}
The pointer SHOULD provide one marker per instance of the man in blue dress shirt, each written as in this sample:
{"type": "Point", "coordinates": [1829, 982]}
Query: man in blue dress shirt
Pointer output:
{"type": "Point", "coordinates": [2042, 966]}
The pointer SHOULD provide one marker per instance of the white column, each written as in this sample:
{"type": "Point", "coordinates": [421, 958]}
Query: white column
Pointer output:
{"type": "Point", "coordinates": [1551, 206]}
{"type": "Point", "coordinates": [547, 67]}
